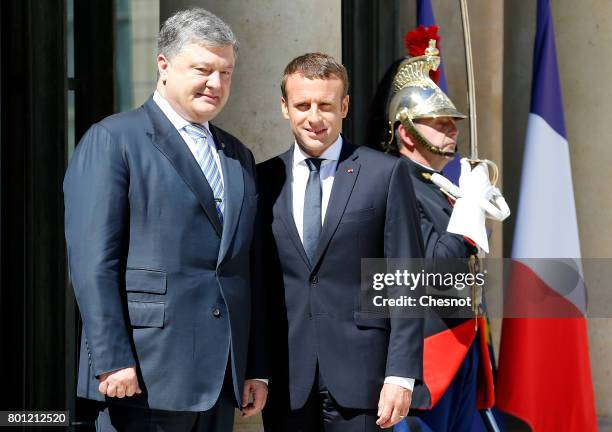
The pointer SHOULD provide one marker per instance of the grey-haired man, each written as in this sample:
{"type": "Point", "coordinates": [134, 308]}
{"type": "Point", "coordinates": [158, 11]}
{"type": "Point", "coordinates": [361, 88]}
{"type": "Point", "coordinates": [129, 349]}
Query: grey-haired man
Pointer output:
{"type": "Point", "coordinates": [160, 208]}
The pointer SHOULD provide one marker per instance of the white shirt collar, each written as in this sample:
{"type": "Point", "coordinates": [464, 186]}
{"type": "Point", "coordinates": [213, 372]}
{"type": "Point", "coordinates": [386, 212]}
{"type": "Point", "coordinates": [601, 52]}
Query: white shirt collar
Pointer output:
{"type": "Point", "coordinates": [175, 118]}
{"type": "Point", "coordinates": [428, 168]}
{"type": "Point", "coordinates": [332, 153]}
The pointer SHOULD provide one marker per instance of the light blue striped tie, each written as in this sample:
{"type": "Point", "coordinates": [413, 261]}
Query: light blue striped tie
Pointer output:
{"type": "Point", "coordinates": [205, 158]}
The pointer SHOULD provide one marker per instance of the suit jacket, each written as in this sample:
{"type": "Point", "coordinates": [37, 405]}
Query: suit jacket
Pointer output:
{"type": "Point", "coordinates": [447, 340]}
{"type": "Point", "coordinates": [159, 281]}
{"type": "Point", "coordinates": [315, 308]}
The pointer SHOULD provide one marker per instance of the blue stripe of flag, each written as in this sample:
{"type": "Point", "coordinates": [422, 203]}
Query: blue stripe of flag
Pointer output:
{"type": "Point", "coordinates": [546, 99]}
{"type": "Point", "coordinates": [426, 17]}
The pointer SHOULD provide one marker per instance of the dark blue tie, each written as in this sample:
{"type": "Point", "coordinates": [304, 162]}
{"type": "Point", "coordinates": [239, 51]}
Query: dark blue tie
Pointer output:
{"type": "Point", "coordinates": [312, 208]}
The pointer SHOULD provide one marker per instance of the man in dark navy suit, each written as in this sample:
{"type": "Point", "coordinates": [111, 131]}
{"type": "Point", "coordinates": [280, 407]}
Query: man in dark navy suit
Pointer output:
{"type": "Point", "coordinates": [325, 205]}
{"type": "Point", "coordinates": [160, 209]}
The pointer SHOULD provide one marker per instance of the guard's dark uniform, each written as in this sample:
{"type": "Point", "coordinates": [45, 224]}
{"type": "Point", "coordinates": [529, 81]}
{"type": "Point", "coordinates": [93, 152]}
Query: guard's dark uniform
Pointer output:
{"type": "Point", "coordinates": [457, 372]}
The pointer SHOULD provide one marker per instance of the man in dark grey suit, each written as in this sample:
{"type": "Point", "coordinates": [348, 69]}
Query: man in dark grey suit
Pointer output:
{"type": "Point", "coordinates": [160, 208]}
{"type": "Point", "coordinates": [326, 204]}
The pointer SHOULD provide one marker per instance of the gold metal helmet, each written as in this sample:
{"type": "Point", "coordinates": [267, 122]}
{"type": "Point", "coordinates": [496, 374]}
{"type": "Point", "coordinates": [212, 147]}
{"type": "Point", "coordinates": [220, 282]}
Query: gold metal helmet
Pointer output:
{"type": "Point", "coordinates": [414, 95]}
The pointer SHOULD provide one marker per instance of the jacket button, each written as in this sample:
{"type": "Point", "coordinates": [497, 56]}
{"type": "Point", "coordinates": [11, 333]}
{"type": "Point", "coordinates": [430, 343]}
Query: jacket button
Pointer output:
{"type": "Point", "coordinates": [314, 279]}
{"type": "Point", "coordinates": [216, 312]}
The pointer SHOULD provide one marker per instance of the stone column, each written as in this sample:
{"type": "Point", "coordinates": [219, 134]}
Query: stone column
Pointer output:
{"type": "Point", "coordinates": [144, 26]}
{"type": "Point", "coordinates": [584, 37]}
{"type": "Point", "coordinates": [486, 23]}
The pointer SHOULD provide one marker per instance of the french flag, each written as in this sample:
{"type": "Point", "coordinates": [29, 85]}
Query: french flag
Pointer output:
{"type": "Point", "coordinates": [544, 374]}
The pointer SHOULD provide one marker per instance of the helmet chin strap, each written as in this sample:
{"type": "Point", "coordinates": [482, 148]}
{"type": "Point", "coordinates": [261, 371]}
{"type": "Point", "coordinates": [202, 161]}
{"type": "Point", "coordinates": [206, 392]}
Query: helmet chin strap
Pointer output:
{"type": "Point", "coordinates": [424, 142]}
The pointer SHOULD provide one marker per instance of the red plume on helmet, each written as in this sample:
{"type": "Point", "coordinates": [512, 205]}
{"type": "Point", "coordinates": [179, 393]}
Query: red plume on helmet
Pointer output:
{"type": "Point", "coordinates": [417, 40]}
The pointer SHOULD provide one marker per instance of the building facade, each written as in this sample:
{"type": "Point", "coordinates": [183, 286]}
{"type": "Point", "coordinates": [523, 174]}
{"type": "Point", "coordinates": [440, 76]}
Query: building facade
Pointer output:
{"type": "Point", "coordinates": [66, 64]}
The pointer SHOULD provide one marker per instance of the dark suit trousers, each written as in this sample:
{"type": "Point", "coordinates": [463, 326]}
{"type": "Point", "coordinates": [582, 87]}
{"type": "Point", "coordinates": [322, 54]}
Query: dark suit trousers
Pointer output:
{"type": "Point", "coordinates": [220, 418]}
{"type": "Point", "coordinates": [320, 413]}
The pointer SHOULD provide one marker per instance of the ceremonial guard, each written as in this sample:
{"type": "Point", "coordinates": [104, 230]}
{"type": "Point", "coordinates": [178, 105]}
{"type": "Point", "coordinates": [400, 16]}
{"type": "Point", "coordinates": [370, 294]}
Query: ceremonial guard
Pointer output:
{"type": "Point", "coordinates": [457, 366]}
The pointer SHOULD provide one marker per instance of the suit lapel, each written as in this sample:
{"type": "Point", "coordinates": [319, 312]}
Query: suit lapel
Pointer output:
{"type": "Point", "coordinates": [233, 184]}
{"type": "Point", "coordinates": [170, 143]}
{"type": "Point", "coordinates": [284, 206]}
{"type": "Point", "coordinates": [344, 181]}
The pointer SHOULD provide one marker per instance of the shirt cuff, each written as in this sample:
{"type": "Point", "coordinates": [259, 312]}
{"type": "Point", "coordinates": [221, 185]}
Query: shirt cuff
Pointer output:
{"type": "Point", "coordinates": [407, 383]}
{"type": "Point", "coordinates": [265, 381]}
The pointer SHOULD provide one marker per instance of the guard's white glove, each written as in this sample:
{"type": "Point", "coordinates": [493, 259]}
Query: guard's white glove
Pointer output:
{"type": "Point", "coordinates": [468, 217]}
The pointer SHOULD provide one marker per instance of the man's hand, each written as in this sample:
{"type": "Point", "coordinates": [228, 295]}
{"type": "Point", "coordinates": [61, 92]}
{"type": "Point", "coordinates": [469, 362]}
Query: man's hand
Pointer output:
{"type": "Point", "coordinates": [393, 405]}
{"type": "Point", "coordinates": [119, 383]}
{"type": "Point", "coordinates": [259, 390]}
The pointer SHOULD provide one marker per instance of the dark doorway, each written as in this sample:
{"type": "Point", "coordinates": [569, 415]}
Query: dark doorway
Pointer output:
{"type": "Point", "coordinates": [38, 317]}
{"type": "Point", "coordinates": [372, 40]}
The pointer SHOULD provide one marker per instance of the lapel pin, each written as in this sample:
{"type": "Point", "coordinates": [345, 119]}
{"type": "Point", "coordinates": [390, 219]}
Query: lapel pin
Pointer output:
{"type": "Point", "coordinates": [350, 170]}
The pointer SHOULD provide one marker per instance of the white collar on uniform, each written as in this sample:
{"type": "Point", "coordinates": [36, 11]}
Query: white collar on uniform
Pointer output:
{"type": "Point", "coordinates": [428, 168]}
{"type": "Point", "coordinates": [177, 121]}
{"type": "Point", "coordinates": [332, 153]}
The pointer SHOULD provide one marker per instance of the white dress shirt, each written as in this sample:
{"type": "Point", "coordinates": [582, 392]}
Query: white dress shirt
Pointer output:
{"type": "Point", "coordinates": [179, 123]}
{"type": "Point", "coordinates": [298, 188]}
{"type": "Point", "coordinates": [301, 172]}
